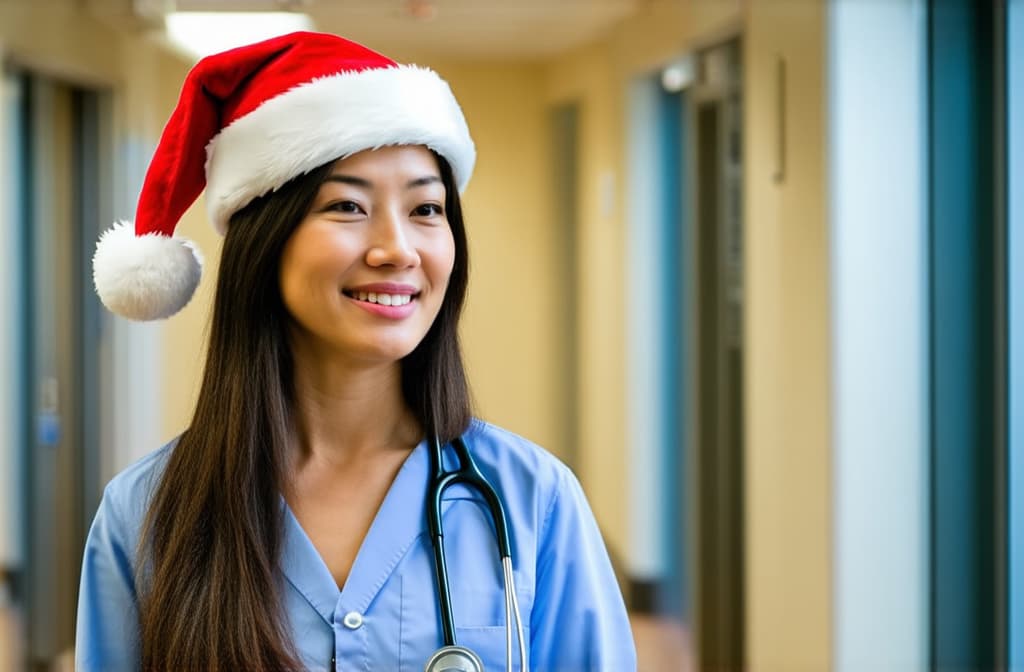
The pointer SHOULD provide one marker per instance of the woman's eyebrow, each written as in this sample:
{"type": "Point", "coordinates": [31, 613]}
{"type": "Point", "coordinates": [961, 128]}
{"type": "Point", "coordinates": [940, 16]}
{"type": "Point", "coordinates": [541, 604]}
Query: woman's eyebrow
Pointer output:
{"type": "Point", "coordinates": [421, 181]}
{"type": "Point", "coordinates": [350, 179]}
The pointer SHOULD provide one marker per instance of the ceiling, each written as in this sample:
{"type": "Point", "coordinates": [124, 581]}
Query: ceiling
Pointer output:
{"type": "Point", "coordinates": [459, 29]}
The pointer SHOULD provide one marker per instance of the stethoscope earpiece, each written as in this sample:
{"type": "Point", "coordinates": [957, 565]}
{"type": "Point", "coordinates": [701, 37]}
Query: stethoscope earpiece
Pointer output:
{"type": "Point", "coordinates": [454, 659]}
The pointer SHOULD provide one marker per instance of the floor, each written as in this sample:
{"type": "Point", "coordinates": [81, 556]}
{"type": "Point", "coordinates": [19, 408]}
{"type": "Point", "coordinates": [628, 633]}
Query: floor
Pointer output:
{"type": "Point", "coordinates": [10, 637]}
{"type": "Point", "coordinates": [662, 645]}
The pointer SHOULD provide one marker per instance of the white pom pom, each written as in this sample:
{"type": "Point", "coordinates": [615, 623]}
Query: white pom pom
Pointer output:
{"type": "Point", "coordinates": [148, 277]}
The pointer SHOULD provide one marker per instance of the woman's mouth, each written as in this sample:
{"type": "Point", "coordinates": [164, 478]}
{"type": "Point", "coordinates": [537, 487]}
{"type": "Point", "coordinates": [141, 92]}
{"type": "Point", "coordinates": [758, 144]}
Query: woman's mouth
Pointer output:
{"type": "Point", "coordinates": [380, 298]}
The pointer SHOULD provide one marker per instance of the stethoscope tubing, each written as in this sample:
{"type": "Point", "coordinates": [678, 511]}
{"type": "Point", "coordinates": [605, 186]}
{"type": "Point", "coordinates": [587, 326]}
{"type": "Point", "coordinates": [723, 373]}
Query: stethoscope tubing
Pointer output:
{"type": "Point", "coordinates": [466, 472]}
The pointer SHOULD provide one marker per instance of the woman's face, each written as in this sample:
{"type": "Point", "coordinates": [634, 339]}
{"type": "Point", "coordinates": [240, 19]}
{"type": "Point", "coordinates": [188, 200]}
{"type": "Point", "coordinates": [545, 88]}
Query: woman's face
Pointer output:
{"type": "Point", "coordinates": [365, 272]}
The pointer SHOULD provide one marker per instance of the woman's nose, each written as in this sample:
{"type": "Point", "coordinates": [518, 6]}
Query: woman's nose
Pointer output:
{"type": "Point", "coordinates": [390, 245]}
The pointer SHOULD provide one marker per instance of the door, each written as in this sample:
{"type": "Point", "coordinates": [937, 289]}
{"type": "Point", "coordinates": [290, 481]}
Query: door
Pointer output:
{"type": "Point", "coordinates": [716, 111]}
{"type": "Point", "coordinates": [53, 164]}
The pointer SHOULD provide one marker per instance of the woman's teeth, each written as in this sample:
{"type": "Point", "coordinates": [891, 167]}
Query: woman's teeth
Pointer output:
{"type": "Point", "coordinates": [383, 299]}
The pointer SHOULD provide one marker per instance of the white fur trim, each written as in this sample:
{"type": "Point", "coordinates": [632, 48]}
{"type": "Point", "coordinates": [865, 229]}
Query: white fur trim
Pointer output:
{"type": "Point", "coordinates": [330, 118]}
{"type": "Point", "coordinates": [148, 277]}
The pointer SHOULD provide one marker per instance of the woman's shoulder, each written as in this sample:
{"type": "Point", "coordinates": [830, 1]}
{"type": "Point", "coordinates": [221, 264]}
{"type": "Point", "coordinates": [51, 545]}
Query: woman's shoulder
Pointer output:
{"type": "Point", "coordinates": [513, 456]}
{"type": "Point", "coordinates": [127, 494]}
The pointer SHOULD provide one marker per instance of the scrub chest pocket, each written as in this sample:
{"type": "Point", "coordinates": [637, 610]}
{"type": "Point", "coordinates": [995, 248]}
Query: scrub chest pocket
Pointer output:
{"type": "Point", "coordinates": [476, 586]}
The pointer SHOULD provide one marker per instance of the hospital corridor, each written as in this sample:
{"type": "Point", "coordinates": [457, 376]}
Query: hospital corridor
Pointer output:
{"type": "Point", "coordinates": [749, 272]}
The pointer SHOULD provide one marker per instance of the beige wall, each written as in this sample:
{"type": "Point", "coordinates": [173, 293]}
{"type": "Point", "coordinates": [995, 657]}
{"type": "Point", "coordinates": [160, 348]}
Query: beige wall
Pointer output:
{"type": "Point", "coordinates": [788, 458]}
{"type": "Point", "coordinates": [587, 78]}
{"type": "Point", "coordinates": [515, 311]}
{"type": "Point", "coordinates": [55, 37]}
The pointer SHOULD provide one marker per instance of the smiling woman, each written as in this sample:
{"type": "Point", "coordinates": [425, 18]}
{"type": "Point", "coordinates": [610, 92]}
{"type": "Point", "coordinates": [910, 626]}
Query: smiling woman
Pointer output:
{"type": "Point", "coordinates": [301, 521]}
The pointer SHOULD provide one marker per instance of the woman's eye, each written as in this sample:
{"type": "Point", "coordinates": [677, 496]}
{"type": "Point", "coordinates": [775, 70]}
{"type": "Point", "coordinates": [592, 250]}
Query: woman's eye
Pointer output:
{"type": "Point", "coordinates": [347, 207]}
{"type": "Point", "coordinates": [428, 210]}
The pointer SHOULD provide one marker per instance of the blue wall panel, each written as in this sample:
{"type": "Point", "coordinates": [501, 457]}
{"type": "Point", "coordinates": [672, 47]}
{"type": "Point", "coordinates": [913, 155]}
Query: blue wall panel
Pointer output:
{"type": "Point", "coordinates": [964, 277]}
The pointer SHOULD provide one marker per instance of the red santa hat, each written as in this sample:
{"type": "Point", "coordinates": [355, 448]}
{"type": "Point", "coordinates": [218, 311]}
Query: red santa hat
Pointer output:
{"type": "Point", "coordinates": [248, 121]}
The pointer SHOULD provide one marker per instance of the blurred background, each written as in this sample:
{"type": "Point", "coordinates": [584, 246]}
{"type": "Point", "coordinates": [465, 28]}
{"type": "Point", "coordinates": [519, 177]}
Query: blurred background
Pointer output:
{"type": "Point", "coordinates": [752, 268]}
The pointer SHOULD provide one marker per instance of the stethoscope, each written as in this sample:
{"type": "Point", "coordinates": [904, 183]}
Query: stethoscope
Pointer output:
{"type": "Point", "coordinates": [451, 657]}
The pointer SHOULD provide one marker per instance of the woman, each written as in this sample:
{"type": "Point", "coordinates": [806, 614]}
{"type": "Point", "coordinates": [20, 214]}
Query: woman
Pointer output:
{"type": "Point", "coordinates": [288, 527]}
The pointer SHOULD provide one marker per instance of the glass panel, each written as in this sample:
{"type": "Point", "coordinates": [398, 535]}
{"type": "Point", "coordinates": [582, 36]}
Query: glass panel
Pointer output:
{"type": "Point", "coordinates": [1015, 269]}
{"type": "Point", "coordinates": [879, 256]}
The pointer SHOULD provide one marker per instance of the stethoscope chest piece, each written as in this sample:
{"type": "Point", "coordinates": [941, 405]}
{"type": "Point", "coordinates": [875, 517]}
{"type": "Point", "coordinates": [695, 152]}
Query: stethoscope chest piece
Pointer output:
{"type": "Point", "coordinates": [454, 659]}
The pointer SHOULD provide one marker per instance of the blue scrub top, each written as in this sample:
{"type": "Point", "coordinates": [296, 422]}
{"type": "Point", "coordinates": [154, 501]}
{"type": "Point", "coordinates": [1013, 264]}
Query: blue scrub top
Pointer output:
{"type": "Point", "coordinates": [386, 617]}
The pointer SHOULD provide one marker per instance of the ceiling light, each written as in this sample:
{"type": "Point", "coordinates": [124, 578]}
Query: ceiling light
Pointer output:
{"type": "Point", "coordinates": [203, 33]}
{"type": "Point", "coordinates": [679, 74]}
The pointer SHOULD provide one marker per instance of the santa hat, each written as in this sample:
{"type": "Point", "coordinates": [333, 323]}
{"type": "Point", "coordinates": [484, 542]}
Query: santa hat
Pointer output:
{"type": "Point", "coordinates": [248, 121]}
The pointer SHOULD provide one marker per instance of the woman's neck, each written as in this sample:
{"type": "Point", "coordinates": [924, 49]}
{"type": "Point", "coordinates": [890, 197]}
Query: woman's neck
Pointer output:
{"type": "Point", "coordinates": [346, 412]}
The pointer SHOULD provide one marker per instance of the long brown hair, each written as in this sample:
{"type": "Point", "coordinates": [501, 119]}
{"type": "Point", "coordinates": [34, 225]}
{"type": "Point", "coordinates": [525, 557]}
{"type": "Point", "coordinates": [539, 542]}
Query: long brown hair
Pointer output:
{"type": "Point", "coordinates": [212, 536]}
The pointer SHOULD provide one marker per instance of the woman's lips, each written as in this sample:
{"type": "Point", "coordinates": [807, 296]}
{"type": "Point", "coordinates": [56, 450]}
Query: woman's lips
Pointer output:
{"type": "Point", "coordinates": [382, 298]}
{"type": "Point", "coordinates": [390, 304]}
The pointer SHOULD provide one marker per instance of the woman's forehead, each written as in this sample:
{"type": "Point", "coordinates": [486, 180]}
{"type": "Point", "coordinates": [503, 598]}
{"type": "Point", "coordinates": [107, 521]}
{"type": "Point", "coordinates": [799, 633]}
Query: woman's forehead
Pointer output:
{"type": "Point", "coordinates": [405, 158]}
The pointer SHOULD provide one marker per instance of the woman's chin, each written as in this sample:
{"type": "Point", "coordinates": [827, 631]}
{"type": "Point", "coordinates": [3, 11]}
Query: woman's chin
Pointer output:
{"type": "Point", "coordinates": [380, 352]}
